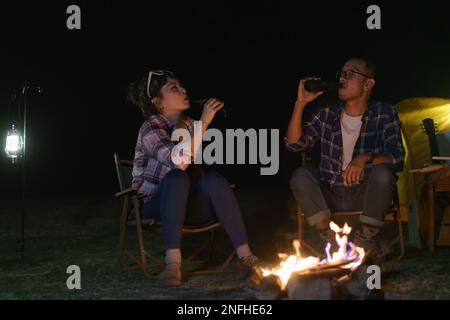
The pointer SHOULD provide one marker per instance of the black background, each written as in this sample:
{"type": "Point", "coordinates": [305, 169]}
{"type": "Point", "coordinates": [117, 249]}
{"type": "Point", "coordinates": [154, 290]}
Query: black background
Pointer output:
{"type": "Point", "coordinates": [250, 54]}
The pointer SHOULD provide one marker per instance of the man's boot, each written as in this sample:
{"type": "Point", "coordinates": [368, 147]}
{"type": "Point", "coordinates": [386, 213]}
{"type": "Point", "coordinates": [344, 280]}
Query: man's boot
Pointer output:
{"type": "Point", "coordinates": [366, 239]}
{"type": "Point", "coordinates": [328, 236]}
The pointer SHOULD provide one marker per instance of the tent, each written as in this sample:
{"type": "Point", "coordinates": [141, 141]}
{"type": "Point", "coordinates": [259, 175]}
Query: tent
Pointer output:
{"type": "Point", "coordinates": [411, 113]}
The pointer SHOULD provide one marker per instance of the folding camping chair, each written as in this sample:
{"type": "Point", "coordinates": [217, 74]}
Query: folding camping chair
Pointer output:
{"type": "Point", "coordinates": [394, 211]}
{"type": "Point", "coordinates": [130, 199]}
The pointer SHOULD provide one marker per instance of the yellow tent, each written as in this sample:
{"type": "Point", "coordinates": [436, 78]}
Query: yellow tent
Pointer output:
{"type": "Point", "coordinates": [411, 113]}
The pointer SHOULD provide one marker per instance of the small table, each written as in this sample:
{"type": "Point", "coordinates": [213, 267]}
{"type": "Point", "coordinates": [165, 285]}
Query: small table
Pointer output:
{"type": "Point", "coordinates": [436, 182]}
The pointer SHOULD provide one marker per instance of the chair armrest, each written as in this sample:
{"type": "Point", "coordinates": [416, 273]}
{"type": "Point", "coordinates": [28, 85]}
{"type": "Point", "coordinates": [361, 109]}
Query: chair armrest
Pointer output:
{"type": "Point", "coordinates": [130, 191]}
{"type": "Point", "coordinates": [127, 163]}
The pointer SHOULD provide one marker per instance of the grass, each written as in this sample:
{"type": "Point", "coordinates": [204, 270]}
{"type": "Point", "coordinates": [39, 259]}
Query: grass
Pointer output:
{"type": "Point", "coordinates": [83, 231]}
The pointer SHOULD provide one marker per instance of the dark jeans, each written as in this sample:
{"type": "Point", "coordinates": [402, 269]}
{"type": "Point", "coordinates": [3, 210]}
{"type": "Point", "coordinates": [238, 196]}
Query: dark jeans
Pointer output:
{"type": "Point", "coordinates": [211, 200]}
{"type": "Point", "coordinates": [373, 196]}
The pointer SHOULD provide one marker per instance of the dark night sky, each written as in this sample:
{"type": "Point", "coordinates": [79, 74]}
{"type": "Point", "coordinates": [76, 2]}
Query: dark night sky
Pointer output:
{"type": "Point", "coordinates": [250, 55]}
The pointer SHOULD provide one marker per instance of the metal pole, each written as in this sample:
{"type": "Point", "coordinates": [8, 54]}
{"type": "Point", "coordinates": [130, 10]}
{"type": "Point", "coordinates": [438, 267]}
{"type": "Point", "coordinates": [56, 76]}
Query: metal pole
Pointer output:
{"type": "Point", "coordinates": [21, 242]}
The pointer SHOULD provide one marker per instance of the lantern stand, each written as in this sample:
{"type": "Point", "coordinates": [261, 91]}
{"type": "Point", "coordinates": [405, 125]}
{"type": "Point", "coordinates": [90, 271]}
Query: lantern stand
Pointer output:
{"type": "Point", "coordinates": [16, 150]}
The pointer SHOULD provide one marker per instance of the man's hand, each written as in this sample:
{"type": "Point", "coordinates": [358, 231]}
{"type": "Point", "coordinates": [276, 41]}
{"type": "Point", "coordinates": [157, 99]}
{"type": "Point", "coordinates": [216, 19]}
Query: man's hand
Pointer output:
{"type": "Point", "coordinates": [355, 170]}
{"type": "Point", "coordinates": [303, 96]}
{"type": "Point", "coordinates": [294, 131]}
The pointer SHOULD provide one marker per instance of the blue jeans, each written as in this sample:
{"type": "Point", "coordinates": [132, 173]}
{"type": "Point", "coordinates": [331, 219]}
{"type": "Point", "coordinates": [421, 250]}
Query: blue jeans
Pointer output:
{"type": "Point", "coordinates": [318, 199]}
{"type": "Point", "coordinates": [211, 200]}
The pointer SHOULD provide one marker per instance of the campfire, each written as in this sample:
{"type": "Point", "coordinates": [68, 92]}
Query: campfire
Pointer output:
{"type": "Point", "coordinates": [339, 264]}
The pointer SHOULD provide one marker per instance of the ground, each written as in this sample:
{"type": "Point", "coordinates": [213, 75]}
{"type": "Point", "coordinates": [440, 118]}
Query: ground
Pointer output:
{"type": "Point", "coordinates": [83, 231]}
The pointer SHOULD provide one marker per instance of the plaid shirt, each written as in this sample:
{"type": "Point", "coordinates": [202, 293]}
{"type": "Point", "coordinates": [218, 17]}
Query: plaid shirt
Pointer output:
{"type": "Point", "coordinates": [152, 158]}
{"type": "Point", "coordinates": [380, 134]}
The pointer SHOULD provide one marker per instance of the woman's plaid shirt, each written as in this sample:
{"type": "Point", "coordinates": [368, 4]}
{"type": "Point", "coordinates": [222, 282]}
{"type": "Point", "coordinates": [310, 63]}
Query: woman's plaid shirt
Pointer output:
{"type": "Point", "coordinates": [152, 159]}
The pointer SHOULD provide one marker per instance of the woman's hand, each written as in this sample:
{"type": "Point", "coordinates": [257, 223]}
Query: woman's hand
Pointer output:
{"type": "Point", "coordinates": [303, 96]}
{"type": "Point", "coordinates": [210, 109]}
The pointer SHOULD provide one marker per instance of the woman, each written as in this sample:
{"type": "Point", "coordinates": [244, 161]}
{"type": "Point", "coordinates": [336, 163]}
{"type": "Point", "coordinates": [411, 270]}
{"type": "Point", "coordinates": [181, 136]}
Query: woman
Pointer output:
{"type": "Point", "coordinates": [167, 192]}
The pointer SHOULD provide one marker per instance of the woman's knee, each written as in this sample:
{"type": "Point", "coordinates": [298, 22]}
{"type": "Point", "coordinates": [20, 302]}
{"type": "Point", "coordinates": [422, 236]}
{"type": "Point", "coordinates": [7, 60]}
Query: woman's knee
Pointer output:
{"type": "Point", "coordinates": [177, 176]}
{"type": "Point", "coordinates": [213, 179]}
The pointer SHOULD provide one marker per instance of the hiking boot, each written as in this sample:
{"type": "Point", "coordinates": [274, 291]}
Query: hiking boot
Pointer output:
{"type": "Point", "coordinates": [329, 237]}
{"type": "Point", "coordinates": [171, 275]}
{"type": "Point", "coordinates": [370, 246]}
{"type": "Point", "coordinates": [252, 261]}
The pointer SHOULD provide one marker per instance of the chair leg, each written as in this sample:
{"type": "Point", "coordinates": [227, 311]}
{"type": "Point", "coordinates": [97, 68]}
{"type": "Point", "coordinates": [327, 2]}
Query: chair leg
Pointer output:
{"type": "Point", "coordinates": [227, 262]}
{"type": "Point", "coordinates": [122, 236]}
{"type": "Point", "coordinates": [212, 240]}
{"type": "Point", "coordinates": [401, 239]}
{"type": "Point", "coordinates": [197, 252]}
{"type": "Point", "coordinates": [221, 269]}
{"type": "Point", "coordinates": [398, 220]}
{"type": "Point", "coordinates": [209, 245]}
{"type": "Point", "coordinates": [301, 227]}
{"type": "Point", "coordinates": [310, 248]}
{"type": "Point", "coordinates": [144, 255]}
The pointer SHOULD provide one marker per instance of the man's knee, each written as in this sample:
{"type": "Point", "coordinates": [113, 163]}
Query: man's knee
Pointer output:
{"type": "Point", "coordinates": [301, 178]}
{"type": "Point", "coordinates": [382, 175]}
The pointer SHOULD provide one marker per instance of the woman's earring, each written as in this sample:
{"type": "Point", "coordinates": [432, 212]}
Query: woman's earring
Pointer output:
{"type": "Point", "coordinates": [155, 102]}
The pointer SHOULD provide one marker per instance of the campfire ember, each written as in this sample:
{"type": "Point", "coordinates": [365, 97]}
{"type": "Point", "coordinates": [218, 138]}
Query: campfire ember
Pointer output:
{"type": "Point", "coordinates": [346, 257]}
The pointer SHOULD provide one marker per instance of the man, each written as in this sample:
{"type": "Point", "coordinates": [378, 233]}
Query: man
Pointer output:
{"type": "Point", "coordinates": [361, 148]}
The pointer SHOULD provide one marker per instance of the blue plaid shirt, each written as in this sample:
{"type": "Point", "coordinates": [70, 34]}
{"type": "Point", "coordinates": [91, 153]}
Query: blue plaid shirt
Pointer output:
{"type": "Point", "coordinates": [380, 134]}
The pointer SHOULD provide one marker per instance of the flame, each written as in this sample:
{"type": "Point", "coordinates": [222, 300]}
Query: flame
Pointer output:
{"type": "Point", "coordinates": [290, 264]}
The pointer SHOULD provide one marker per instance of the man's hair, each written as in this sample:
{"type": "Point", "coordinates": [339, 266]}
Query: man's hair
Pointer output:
{"type": "Point", "coordinates": [369, 66]}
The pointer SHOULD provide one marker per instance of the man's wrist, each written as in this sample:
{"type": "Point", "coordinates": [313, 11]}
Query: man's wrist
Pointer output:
{"type": "Point", "coordinates": [300, 104]}
{"type": "Point", "coordinates": [370, 156]}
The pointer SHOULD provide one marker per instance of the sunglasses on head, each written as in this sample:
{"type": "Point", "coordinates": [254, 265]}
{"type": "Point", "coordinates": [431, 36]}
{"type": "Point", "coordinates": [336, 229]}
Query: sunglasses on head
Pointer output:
{"type": "Point", "coordinates": [156, 73]}
{"type": "Point", "coordinates": [348, 74]}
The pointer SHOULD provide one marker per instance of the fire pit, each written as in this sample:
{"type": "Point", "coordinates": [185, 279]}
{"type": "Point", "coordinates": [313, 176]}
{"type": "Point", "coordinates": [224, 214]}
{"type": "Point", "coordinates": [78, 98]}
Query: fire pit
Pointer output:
{"type": "Point", "coordinates": [298, 277]}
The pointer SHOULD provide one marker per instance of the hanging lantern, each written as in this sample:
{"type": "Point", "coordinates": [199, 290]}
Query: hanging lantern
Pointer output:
{"type": "Point", "coordinates": [14, 143]}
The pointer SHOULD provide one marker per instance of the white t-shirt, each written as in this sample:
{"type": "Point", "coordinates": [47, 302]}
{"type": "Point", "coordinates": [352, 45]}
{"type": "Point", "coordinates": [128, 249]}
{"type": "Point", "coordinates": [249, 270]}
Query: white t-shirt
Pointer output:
{"type": "Point", "coordinates": [350, 127]}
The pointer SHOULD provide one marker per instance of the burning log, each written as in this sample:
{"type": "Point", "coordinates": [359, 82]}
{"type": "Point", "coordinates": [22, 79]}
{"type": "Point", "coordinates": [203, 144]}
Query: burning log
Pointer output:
{"type": "Point", "coordinates": [265, 288]}
{"type": "Point", "coordinates": [357, 283]}
{"type": "Point", "coordinates": [269, 289]}
{"type": "Point", "coordinates": [309, 281]}
{"type": "Point", "coordinates": [304, 278]}
{"type": "Point", "coordinates": [348, 256]}
{"type": "Point", "coordinates": [354, 286]}
{"type": "Point", "coordinates": [309, 288]}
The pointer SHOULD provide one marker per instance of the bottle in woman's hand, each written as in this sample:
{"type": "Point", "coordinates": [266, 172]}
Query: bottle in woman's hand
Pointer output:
{"type": "Point", "coordinates": [210, 109]}
{"type": "Point", "coordinates": [222, 113]}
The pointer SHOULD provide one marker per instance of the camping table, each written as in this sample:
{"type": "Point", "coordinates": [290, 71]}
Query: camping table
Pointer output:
{"type": "Point", "coordinates": [438, 181]}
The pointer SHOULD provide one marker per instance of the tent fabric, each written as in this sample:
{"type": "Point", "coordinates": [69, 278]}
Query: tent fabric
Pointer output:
{"type": "Point", "coordinates": [411, 113]}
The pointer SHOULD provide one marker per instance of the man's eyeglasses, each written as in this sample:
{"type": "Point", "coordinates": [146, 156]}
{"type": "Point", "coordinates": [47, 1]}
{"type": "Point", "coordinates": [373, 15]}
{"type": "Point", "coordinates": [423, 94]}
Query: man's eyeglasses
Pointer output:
{"type": "Point", "coordinates": [348, 74]}
{"type": "Point", "coordinates": [156, 73]}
